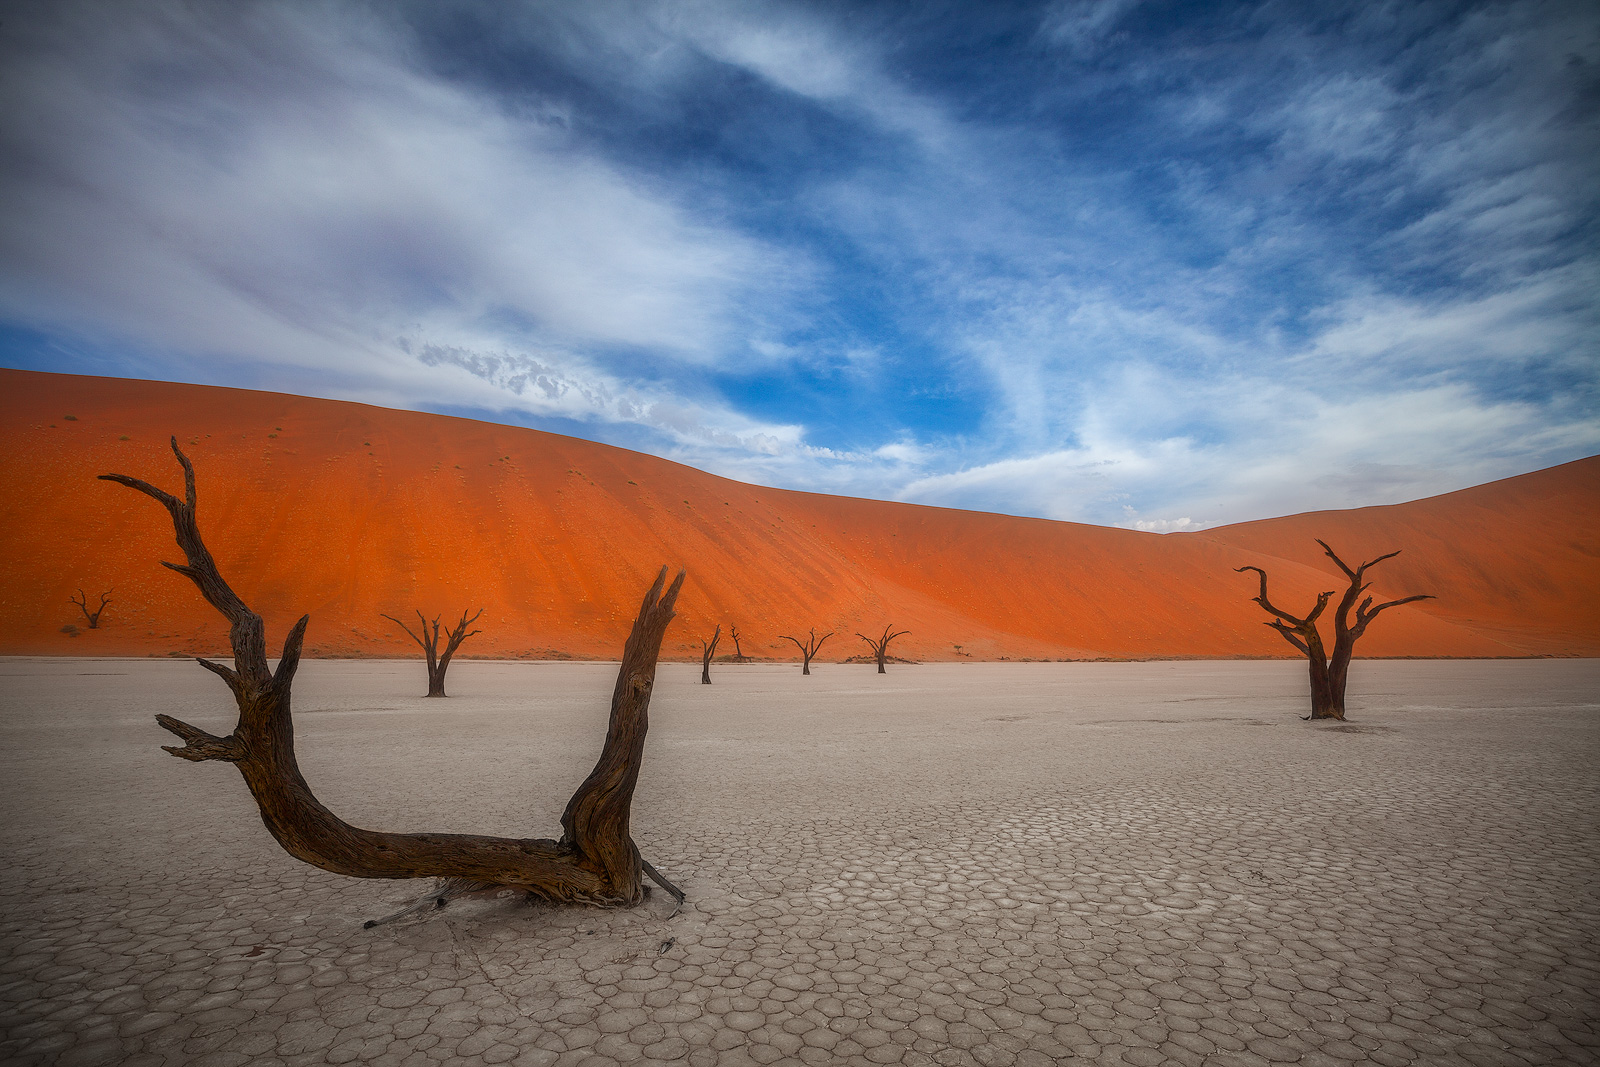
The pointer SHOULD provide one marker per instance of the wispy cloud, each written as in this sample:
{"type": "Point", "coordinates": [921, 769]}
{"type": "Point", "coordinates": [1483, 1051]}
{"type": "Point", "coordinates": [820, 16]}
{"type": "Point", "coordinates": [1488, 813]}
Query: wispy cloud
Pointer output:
{"type": "Point", "coordinates": [1100, 261]}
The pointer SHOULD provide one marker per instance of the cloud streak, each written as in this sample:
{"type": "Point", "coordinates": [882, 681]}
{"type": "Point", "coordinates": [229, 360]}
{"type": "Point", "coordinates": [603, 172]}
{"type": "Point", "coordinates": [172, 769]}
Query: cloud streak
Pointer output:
{"type": "Point", "coordinates": [1162, 268]}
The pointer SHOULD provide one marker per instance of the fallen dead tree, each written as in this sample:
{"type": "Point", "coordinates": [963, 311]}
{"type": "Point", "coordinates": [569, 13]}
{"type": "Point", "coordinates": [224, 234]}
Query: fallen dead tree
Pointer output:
{"type": "Point", "coordinates": [594, 862]}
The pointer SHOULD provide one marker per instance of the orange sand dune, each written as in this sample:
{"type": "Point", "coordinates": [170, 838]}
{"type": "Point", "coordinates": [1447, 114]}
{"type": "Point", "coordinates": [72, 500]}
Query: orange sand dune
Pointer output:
{"type": "Point", "coordinates": [346, 511]}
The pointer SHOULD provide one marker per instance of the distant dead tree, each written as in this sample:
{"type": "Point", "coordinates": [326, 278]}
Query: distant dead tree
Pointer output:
{"type": "Point", "coordinates": [738, 653]}
{"type": "Point", "coordinates": [809, 648]}
{"type": "Point", "coordinates": [880, 647]}
{"type": "Point", "coordinates": [710, 651]}
{"type": "Point", "coordinates": [82, 600]}
{"type": "Point", "coordinates": [595, 862]}
{"type": "Point", "coordinates": [429, 640]}
{"type": "Point", "coordinates": [1330, 673]}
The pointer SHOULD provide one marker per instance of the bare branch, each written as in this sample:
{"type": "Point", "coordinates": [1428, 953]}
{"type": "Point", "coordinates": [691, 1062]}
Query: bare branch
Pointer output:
{"type": "Point", "coordinates": [227, 674]}
{"type": "Point", "coordinates": [1380, 559]}
{"type": "Point", "coordinates": [170, 502]}
{"type": "Point", "coordinates": [1289, 635]}
{"type": "Point", "coordinates": [407, 629]}
{"type": "Point", "coordinates": [289, 662]}
{"type": "Point", "coordinates": [1272, 608]}
{"type": "Point", "coordinates": [1334, 556]}
{"type": "Point", "coordinates": [1365, 616]}
{"type": "Point", "coordinates": [246, 633]}
{"type": "Point", "coordinates": [1403, 600]}
{"type": "Point", "coordinates": [199, 745]}
{"type": "Point", "coordinates": [1322, 603]}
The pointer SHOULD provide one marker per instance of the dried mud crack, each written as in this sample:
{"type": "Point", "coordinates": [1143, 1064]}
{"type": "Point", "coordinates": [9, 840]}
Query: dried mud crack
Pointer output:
{"type": "Point", "coordinates": [876, 876]}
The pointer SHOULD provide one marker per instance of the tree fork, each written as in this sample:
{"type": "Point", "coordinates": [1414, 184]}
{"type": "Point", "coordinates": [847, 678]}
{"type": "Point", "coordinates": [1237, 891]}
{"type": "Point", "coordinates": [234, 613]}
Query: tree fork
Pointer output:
{"type": "Point", "coordinates": [82, 601]}
{"type": "Point", "coordinates": [594, 862]}
{"type": "Point", "coordinates": [809, 648]}
{"type": "Point", "coordinates": [708, 651]}
{"type": "Point", "coordinates": [1330, 673]}
{"type": "Point", "coordinates": [437, 664]}
{"type": "Point", "coordinates": [880, 647]}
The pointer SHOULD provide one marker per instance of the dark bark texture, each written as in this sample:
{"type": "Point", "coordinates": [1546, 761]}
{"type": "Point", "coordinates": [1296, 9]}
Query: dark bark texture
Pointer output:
{"type": "Point", "coordinates": [1330, 673]}
{"type": "Point", "coordinates": [82, 600]}
{"type": "Point", "coordinates": [595, 861]}
{"type": "Point", "coordinates": [428, 638]}
{"type": "Point", "coordinates": [808, 648]}
{"type": "Point", "coordinates": [880, 646]}
{"type": "Point", "coordinates": [709, 650]}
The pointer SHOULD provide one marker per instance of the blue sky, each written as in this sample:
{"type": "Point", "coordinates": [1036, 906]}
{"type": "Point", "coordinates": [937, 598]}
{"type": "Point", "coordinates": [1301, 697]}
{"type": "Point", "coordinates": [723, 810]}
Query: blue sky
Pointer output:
{"type": "Point", "coordinates": [1158, 265]}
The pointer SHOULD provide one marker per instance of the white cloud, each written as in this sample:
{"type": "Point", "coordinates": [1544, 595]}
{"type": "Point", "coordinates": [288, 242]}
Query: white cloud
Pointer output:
{"type": "Point", "coordinates": [1237, 322]}
{"type": "Point", "coordinates": [261, 186]}
{"type": "Point", "coordinates": [808, 56]}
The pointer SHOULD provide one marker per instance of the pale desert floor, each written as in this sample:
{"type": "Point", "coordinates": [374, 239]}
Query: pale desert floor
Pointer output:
{"type": "Point", "coordinates": [986, 863]}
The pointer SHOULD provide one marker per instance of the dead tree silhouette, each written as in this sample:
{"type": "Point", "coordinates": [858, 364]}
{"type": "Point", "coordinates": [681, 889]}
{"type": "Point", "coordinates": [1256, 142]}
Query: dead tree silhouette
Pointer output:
{"type": "Point", "coordinates": [710, 651]}
{"type": "Point", "coordinates": [1329, 674]}
{"type": "Point", "coordinates": [82, 600]}
{"type": "Point", "coordinates": [429, 640]}
{"type": "Point", "coordinates": [594, 862]}
{"type": "Point", "coordinates": [738, 653]}
{"type": "Point", "coordinates": [880, 647]}
{"type": "Point", "coordinates": [809, 648]}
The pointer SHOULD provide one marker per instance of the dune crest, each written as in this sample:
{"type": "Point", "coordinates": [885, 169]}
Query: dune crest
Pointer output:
{"type": "Point", "coordinates": [348, 511]}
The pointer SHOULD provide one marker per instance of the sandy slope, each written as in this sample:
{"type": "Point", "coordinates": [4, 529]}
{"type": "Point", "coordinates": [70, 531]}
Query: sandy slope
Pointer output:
{"type": "Point", "coordinates": [347, 511]}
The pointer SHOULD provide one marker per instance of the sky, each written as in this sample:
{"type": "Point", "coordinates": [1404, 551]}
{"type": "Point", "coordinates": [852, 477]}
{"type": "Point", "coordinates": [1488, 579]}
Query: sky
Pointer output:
{"type": "Point", "coordinates": [1155, 265]}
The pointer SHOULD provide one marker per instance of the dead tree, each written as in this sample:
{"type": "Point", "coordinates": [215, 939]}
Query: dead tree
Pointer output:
{"type": "Point", "coordinates": [1302, 634]}
{"type": "Point", "coordinates": [809, 648]}
{"type": "Point", "coordinates": [1329, 674]}
{"type": "Point", "coordinates": [429, 640]}
{"type": "Point", "coordinates": [594, 862]}
{"type": "Point", "coordinates": [880, 647]}
{"type": "Point", "coordinates": [738, 653]}
{"type": "Point", "coordinates": [710, 651]}
{"type": "Point", "coordinates": [1345, 633]}
{"type": "Point", "coordinates": [82, 600]}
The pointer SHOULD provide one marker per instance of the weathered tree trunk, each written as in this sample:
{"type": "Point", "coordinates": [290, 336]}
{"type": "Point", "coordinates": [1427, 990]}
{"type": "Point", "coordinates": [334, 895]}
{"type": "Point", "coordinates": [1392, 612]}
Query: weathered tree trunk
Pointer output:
{"type": "Point", "coordinates": [82, 600]}
{"type": "Point", "coordinates": [710, 650]}
{"type": "Point", "coordinates": [1328, 673]}
{"type": "Point", "coordinates": [880, 647]}
{"type": "Point", "coordinates": [429, 640]}
{"type": "Point", "coordinates": [594, 862]}
{"type": "Point", "coordinates": [809, 648]}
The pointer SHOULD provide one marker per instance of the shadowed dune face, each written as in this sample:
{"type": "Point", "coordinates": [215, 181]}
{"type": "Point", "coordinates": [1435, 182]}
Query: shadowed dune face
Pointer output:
{"type": "Point", "coordinates": [345, 511]}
